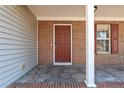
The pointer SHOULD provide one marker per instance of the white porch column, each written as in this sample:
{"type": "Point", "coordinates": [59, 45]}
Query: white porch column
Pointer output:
{"type": "Point", "coordinates": [90, 46]}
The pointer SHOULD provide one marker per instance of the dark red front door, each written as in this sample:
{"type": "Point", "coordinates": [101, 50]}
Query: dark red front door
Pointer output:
{"type": "Point", "coordinates": [62, 44]}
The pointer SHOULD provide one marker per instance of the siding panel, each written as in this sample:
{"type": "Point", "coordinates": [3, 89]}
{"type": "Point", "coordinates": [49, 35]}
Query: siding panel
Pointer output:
{"type": "Point", "coordinates": [18, 43]}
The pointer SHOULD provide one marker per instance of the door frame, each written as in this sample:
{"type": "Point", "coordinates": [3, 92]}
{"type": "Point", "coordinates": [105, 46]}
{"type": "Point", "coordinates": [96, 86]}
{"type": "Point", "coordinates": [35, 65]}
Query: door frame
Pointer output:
{"type": "Point", "coordinates": [55, 63]}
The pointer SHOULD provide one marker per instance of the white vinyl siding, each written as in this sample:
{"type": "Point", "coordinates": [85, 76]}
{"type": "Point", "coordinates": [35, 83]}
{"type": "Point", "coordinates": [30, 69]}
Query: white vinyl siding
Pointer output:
{"type": "Point", "coordinates": [18, 43]}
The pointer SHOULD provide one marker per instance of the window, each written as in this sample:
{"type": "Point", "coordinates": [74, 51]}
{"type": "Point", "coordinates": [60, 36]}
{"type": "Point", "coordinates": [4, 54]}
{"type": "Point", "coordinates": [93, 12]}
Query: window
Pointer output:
{"type": "Point", "coordinates": [103, 38]}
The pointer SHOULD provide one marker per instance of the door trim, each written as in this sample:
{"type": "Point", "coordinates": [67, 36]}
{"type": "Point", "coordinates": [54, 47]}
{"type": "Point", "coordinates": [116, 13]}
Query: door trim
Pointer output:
{"type": "Point", "coordinates": [55, 63]}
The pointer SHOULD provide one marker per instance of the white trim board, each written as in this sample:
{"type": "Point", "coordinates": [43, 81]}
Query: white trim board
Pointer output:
{"type": "Point", "coordinates": [109, 19]}
{"type": "Point", "coordinates": [79, 19]}
{"type": "Point", "coordinates": [37, 43]}
{"type": "Point", "coordinates": [55, 63]}
{"type": "Point", "coordinates": [61, 18]}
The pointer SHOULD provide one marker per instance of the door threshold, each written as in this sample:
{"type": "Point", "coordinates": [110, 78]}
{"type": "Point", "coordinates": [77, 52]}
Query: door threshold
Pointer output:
{"type": "Point", "coordinates": [62, 63]}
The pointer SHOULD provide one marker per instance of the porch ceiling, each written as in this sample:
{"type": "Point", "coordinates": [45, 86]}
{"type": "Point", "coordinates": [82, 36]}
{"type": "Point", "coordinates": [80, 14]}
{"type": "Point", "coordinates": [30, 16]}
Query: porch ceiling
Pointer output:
{"type": "Point", "coordinates": [110, 12]}
{"type": "Point", "coordinates": [76, 12]}
{"type": "Point", "coordinates": [58, 11]}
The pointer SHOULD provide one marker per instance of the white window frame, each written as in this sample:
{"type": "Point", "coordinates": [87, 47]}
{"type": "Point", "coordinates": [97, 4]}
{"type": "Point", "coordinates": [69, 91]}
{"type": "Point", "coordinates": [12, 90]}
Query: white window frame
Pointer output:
{"type": "Point", "coordinates": [107, 52]}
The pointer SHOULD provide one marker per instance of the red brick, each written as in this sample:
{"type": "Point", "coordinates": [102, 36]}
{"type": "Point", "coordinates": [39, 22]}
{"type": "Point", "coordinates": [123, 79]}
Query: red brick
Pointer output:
{"type": "Point", "coordinates": [45, 36]}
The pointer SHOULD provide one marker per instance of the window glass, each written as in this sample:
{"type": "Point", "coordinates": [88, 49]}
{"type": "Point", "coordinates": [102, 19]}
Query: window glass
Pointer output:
{"type": "Point", "coordinates": [103, 38]}
{"type": "Point", "coordinates": [102, 45]}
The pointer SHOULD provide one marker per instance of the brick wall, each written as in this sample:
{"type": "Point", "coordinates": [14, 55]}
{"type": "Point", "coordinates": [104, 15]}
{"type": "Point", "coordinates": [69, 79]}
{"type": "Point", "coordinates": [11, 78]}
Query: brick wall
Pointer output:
{"type": "Point", "coordinates": [45, 39]}
{"type": "Point", "coordinates": [45, 36]}
{"type": "Point", "coordinates": [113, 58]}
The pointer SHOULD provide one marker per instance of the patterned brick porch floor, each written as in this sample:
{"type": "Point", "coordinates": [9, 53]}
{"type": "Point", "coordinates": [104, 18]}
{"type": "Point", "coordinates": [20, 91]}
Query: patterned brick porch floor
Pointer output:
{"type": "Point", "coordinates": [66, 85]}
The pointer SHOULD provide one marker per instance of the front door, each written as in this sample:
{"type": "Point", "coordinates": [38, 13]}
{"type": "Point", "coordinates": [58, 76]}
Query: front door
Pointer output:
{"type": "Point", "coordinates": [63, 44]}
